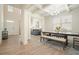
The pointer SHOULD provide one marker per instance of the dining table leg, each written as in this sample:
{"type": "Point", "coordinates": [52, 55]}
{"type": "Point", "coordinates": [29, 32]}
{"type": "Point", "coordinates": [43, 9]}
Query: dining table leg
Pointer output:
{"type": "Point", "coordinates": [66, 40]}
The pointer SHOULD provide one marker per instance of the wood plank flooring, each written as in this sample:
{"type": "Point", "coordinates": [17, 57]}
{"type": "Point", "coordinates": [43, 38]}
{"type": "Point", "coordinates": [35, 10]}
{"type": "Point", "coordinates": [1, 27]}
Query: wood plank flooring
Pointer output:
{"type": "Point", "coordinates": [12, 46]}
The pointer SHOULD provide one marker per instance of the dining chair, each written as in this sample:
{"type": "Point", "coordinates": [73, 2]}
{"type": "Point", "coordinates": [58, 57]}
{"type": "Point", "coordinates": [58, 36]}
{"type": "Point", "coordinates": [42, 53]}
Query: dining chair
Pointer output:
{"type": "Point", "coordinates": [75, 41]}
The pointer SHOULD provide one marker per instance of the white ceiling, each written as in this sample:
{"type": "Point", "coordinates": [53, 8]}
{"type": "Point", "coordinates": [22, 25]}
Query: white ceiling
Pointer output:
{"type": "Point", "coordinates": [56, 9]}
{"type": "Point", "coordinates": [50, 9]}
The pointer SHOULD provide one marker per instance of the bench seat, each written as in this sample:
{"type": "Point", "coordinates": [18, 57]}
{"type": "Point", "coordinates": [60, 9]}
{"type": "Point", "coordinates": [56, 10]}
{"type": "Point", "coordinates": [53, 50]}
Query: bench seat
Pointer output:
{"type": "Point", "coordinates": [54, 38]}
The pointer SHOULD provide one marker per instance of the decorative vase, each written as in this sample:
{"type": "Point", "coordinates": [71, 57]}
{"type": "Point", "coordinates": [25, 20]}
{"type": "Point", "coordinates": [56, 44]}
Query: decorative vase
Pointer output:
{"type": "Point", "coordinates": [58, 29]}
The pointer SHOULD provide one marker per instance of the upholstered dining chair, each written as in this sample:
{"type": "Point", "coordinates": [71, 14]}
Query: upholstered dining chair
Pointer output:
{"type": "Point", "coordinates": [75, 41]}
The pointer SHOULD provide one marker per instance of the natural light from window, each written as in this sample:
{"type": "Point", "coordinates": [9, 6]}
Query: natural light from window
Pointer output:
{"type": "Point", "coordinates": [10, 8]}
{"type": "Point", "coordinates": [65, 22]}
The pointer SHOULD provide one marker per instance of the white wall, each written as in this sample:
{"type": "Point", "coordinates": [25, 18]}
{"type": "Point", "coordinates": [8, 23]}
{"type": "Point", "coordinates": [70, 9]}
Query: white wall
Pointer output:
{"type": "Point", "coordinates": [1, 22]}
{"type": "Point", "coordinates": [12, 27]}
{"type": "Point", "coordinates": [40, 19]}
{"type": "Point", "coordinates": [48, 24]}
{"type": "Point", "coordinates": [25, 27]}
{"type": "Point", "coordinates": [42, 22]}
{"type": "Point", "coordinates": [75, 20]}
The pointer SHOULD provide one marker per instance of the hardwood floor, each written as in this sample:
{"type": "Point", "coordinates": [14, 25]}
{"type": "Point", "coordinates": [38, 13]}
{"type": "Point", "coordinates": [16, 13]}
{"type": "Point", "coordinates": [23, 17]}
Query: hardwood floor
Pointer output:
{"type": "Point", "coordinates": [12, 46]}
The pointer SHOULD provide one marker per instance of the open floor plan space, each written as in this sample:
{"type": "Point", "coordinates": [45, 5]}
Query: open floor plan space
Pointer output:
{"type": "Point", "coordinates": [39, 29]}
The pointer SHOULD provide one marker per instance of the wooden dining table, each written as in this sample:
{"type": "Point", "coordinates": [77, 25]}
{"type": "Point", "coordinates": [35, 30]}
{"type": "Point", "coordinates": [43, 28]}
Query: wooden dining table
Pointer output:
{"type": "Point", "coordinates": [66, 34]}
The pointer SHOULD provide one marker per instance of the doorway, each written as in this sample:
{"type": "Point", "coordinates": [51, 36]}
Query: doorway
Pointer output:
{"type": "Point", "coordinates": [12, 17]}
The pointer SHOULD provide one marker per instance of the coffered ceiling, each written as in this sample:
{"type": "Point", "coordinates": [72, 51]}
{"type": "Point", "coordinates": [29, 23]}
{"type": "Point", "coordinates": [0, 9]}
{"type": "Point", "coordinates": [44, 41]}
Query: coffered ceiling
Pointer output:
{"type": "Point", "coordinates": [48, 9]}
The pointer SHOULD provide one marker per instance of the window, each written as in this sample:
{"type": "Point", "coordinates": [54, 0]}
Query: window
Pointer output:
{"type": "Point", "coordinates": [10, 8]}
{"type": "Point", "coordinates": [14, 9]}
{"type": "Point", "coordinates": [56, 22]}
{"type": "Point", "coordinates": [65, 22]}
{"type": "Point", "coordinates": [18, 11]}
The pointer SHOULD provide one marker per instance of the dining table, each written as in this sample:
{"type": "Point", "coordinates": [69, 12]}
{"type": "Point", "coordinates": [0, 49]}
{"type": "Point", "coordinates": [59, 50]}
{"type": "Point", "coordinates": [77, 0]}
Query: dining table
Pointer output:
{"type": "Point", "coordinates": [66, 34]}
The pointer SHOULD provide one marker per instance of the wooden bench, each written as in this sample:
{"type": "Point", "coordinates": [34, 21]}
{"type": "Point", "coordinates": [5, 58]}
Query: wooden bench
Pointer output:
{"type": "Point", "coordinates": [59, 38]}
